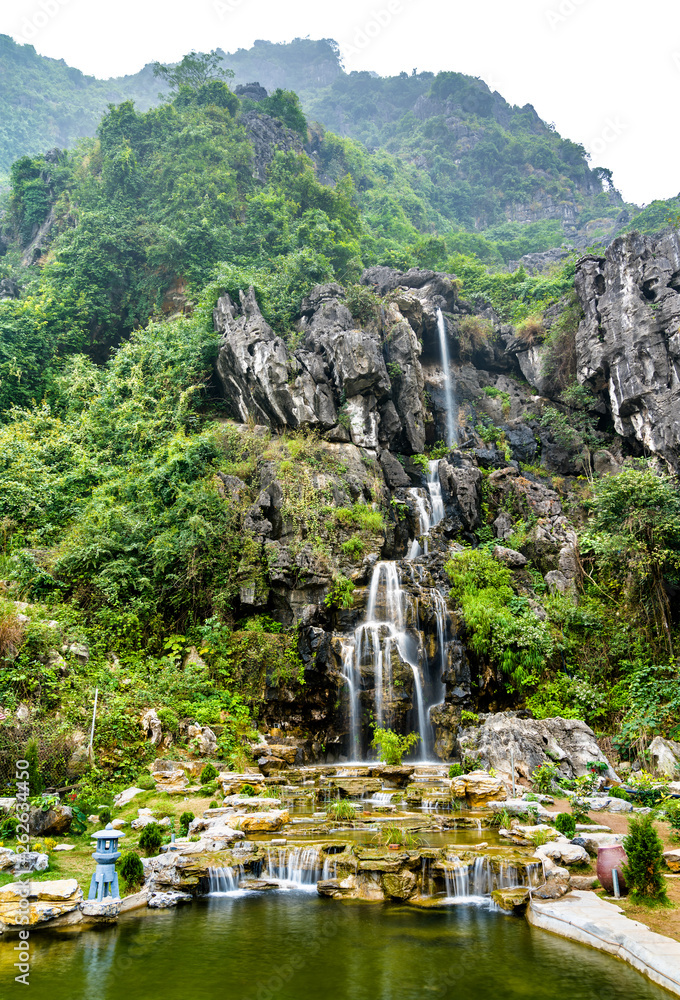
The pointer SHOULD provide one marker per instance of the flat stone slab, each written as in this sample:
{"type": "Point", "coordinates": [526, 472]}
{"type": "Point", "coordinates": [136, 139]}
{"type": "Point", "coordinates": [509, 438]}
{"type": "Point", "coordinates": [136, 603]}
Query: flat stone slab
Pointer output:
{"type": "Point", "coordinates": [588, 919]}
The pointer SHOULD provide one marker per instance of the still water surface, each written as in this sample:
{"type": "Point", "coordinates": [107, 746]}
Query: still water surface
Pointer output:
{"type": "Point", "coordinates": [293, 945]}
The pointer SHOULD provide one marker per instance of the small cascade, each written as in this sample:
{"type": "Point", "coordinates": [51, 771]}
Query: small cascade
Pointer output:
{"type": "Point", "coordinates": [224, 879]}
{"type": "Point", "coordinates": [381, 798]}
{"type": "Point", "coordinates": [330, 868]}
{"type": "Point", "coordinates": [434, 488]}
{"type": "Point", "coordinates": [424, 524]}
{"type": "Point", "coordinates": [426, 878]}
{"type": "Point", "coordinates": [449, 394]}
{"type": "Point", "coordinates": [479, 879]}
{"type": "Point", "coordinates": [299, 867]}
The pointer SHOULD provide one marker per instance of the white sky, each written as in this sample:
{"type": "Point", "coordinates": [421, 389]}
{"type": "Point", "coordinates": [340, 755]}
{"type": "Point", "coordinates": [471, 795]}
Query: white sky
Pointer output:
{"type": "Point", "coordinates": [606, 72]}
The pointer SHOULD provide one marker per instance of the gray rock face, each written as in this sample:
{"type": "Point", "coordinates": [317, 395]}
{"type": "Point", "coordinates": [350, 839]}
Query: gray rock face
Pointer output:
{"type": "Point", "coordinates": [569, 743]}
{"type": "Point", "coordinates": [629, 340]}
{"type": "Point", "coordinates": [266, 135]}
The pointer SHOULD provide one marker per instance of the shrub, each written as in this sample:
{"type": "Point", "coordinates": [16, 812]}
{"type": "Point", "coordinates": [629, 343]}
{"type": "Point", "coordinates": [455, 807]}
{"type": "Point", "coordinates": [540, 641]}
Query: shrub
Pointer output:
{"type": "Point", "coordinates": [456, 770]}
{"type": "Point", "coordinates": [672, 811]}
{"type": "Point", "coordinates": [531, 331]}
{"type": "Point", "coordinates": [342, 593]}
{"type": "Point", "coordinates": [645, 861]}
{"type": "Point", "coordinates": [539, 837]}
{"type": "Point", "coordinates": [151, 839]}
{"type": "Point", "coordinates": [619, 793]}
{"type": "Point", "coordinates": [208, 774]}
{"type": "Point", "coordinates": [213, 805]}
{"type": "Point", "coordinates": [580, 810]}
{"type": "Point", "coordinates": [131, 869]}
{"type": "Point", "coordinates": [105, 817]}
{"type": "Point", "coordinates": [207, 790]}
{"type": "Point", "coordinates": [469, 718]}
{"type": "Point", "coordinates": [50, 844]}
{"type": "Point", "coordinates": [145, 782]}
{"type": "Point", "coordinates": [566, 824]}
{"type": "Point", "coordinates": [247, 790]}
{"type": "Point", "coordinates": [391, 746]}
{"type": "Point", "coordinates": [544, 777]}
{"type": "Point", "coordinates": [169, 721]}
{"type": "Point", "coordinates": [184, 821]}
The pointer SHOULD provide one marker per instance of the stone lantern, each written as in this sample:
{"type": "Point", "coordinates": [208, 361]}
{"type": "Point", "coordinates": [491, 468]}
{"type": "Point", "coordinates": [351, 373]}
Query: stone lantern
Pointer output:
{"type": "Point", "coordinates": [105, 879]}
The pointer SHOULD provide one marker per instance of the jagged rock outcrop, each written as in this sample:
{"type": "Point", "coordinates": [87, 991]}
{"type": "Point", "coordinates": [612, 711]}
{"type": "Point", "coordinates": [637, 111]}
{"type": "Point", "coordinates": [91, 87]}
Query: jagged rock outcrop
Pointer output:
{"type": "Point", "coordinates": [267, 135]}
{"type": "Point", "coordinates": [628, 344]}
{"type": "Point", "coordinates": [568, 743]}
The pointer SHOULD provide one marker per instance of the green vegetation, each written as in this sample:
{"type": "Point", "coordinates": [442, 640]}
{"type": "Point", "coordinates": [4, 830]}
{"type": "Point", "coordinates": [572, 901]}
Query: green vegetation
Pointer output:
{"type": "Point", "coordinates": [151, 839]}
{"type": "Point", "coordinates": [545, 777]}
{"type": "Point", "coordinates": [341, 810]}
{"type": "Point", "coordinates": [456, 770]}
{"type": "Point", "coordinates": [184, 821]}
{"type": "Point", "coordinates": [131, 871]}
{"type": "Point", "coordinates": [208, 774]}
{"type": "Point", "coordinates": [643, 871]}
{"type": "Point", "coordinates": [391, 746]}
{"type": "Point", "coordinates": [566, 824]}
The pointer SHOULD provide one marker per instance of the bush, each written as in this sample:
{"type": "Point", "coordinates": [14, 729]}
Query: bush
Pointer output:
{"type": "Point", "coordinates": [151, 839]}
{"type": "Point", "coordinates": [208, 774]}
{"type": "Point", "coordinates": [145, 782]}
{"type": "Point", "coordinates": [618, 793]}
{"type": "Point", "coordinates": [645, 861]}
{"type": "Point", "coordinates": [207, 790]}
{"type": "Point", "coordinates": [131, 870]}
{"type": "Point", "coordinates": [566, 824]}
{"type": "Point", "coordinates": [213, 805]}
{"type": "Point", "coordinates": [469, 718]}
{"type": "Point", "coordinates": [184, 821]}
{"type": "Point", "coordinates": [169, 721]}
{"type": "Point", "coordinates": [456, 770]}
{"type": "Point", "coordinates": [105, 817]}
{"type": "Point", "coordinates": [247, 790]}
{"type": "Point", "coordinates": [544, 778]}
{"type": "Point", "coordinates": [391, 746]}
{"type": "Point", "coordinates": [580, 810]}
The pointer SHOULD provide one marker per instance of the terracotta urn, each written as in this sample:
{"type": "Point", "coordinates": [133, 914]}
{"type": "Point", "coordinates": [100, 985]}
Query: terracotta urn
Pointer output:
{"type": "Point", "coordinates": [608, 858]}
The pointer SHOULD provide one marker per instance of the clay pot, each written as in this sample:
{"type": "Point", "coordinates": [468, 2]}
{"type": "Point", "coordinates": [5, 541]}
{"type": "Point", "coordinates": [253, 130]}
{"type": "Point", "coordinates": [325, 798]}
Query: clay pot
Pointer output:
{"type": "Point", "coordinates": [394, 847]}
{"type": "Point", "coordinates": [607, 859]}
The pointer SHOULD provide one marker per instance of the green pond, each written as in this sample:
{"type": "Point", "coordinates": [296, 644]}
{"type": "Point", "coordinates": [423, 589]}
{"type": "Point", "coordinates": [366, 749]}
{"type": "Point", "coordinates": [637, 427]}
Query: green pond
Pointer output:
{"type": "Point", "coordinates": [293, 945]}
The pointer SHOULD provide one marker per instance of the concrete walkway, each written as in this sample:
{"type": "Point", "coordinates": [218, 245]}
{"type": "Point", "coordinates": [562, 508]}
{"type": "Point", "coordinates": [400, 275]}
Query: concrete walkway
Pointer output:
{"type": "Point", "coordinates": [588, 919]}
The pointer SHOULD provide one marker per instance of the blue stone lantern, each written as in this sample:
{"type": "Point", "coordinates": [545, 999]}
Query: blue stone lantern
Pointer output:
{"type": "Point", "coordinates": [105, 879]}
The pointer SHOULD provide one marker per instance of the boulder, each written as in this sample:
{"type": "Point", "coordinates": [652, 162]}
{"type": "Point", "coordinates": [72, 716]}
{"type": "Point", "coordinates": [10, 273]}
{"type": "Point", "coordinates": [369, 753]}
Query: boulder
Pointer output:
{"type": "Point", "coordinates": [563, 851]}
{"type": "Point", "coordinates": [203, 739]}
{"type": "Point", "coordinates": [395, 774]}
{"type": "Point", "coordinates": [151, 725]}
{"type": "Point", "coordinates": [569, 743]}
{"type": "Point", "coordinates": [356, 787]}
{"type": "Point", "coordinates": [29, 903]}
{"type": "Point", "coordinates": [30, 861]}
{"type": "Point", "coordinates": [665, 757]}
{"type": "Point", "coordinates": [672, 859]}
{"type": "Point", "coordinates": [478, 788]}
{"type": "Point", "coordinates": [171, 782]}
{"type": "Point", "coordinates": [7, 805]}
{"type": "Point", "coordinates": [233, 784]}
{"type": "Point", "coordinates": [166, 900]}
{"type": "Point", "coordinates": [520, 807]}
{"type": "Point", "coordinates": [262, 822]}
{"type": "Point", "coordinates": [104, 912]}
{"type": "Point", "coordinates": [127, 795]}
{"type": "Point", "coordinates": [50, 822]}
{"type": "Point", "coordinates": [511, 900]}
{"type": "Point", "coordinates": [399, 885]}
{"type": "Point", "coordinates": [512, 559]}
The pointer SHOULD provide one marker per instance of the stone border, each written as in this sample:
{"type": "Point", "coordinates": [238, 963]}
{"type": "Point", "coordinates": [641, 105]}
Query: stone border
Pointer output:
{"type": "Point", "coordinates": [586, 918]}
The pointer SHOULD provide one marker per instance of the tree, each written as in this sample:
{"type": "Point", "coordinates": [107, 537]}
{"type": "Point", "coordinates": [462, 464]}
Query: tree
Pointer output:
{"type": "Point", "coordinates": [195, 70]}
{"type": "Point", "coordinates": [645, 861]}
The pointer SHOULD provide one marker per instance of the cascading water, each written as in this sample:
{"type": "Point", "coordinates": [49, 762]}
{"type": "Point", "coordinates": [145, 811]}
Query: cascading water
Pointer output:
{"type": "Point", "coordinates": [478, 880]}
{"type": "Point", "coordinates": [449, 394]}
{"type": "Point", "coordinates": [299, 867]}
{"type": "Point", "coordinates": [382, 633]}
{"type": "Point", "coordinates": [224, 879]}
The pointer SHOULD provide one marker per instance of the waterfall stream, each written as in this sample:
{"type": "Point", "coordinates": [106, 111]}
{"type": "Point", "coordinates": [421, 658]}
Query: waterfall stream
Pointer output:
{"type": "Point", "coordinates": [449, 394]}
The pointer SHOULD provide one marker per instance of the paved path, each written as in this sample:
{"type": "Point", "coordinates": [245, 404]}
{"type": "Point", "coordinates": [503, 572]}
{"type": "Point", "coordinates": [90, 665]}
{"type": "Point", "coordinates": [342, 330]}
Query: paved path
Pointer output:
{"type": "Point", "coordinates": [585, 917]}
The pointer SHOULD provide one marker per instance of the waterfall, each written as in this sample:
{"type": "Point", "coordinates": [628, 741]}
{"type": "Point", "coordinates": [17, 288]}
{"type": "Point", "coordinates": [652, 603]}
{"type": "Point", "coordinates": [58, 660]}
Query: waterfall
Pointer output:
{"type": "Point", "coordinates": [224, 879]}
{"type": "Point", "coordinates": [330, 868]}
{"type": "Point", "coordinates": [424, 524]}
{"type": "Point", "coordinates": [382, 633]}
{"type": "Point", "coordinates": [451, 408]}
{"type": "Point", "coordinates": [299, 867]}
{"type": "Point", "coordinates": [434, 488]}
{"type": "Point", "coordinates": [475, 881]}
{"type": "Point", "coordinates": [353, 678]}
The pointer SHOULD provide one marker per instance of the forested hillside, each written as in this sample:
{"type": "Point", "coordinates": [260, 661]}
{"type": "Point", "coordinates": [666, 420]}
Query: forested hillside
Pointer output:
{"type": "Point", "coordinates": [477, 164]}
